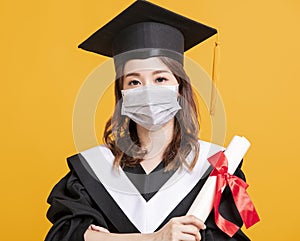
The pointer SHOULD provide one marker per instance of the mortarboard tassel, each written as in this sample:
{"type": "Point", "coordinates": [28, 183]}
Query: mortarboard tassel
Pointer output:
{"type": "Point", "coordinates": [215, 76]}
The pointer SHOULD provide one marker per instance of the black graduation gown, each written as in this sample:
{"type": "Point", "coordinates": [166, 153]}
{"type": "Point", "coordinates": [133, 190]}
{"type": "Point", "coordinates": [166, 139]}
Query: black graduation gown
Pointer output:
{"type": "Point", "coordinates": [80, 199]}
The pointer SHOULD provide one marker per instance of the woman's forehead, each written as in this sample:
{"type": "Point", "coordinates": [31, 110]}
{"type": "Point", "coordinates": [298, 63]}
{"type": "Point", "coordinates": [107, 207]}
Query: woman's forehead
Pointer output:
{"type": "Point", "coordinates": [137, 65]}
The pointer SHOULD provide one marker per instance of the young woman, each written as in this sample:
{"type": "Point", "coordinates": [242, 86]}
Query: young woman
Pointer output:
{"type": "Point", "coordinates": [141, 183]}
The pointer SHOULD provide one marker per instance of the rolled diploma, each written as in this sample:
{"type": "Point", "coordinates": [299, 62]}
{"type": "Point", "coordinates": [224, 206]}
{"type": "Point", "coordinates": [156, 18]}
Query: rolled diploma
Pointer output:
{"type": "Point", "coordinates": [203, 203]}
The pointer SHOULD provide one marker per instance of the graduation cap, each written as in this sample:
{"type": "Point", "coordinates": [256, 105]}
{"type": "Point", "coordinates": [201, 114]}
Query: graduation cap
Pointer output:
{"type": "Point", "coordinates": [146, 30]}
{"type": "Point", "coordinates": [144, 25]}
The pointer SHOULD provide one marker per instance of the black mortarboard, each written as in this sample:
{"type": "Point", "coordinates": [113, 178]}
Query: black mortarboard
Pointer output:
{"type": "Point", "coordinates": [147, 30]}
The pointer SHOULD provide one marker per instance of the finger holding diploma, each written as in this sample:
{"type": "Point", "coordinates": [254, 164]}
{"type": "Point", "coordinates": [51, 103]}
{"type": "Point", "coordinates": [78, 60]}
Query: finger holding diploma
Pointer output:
{"type": "Point", "coordinates": [181, 229]}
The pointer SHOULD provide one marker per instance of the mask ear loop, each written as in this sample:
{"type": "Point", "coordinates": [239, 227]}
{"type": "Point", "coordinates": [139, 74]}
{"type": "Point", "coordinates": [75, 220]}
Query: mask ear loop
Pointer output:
{"type": "Point", "coordinates": [215, 76]}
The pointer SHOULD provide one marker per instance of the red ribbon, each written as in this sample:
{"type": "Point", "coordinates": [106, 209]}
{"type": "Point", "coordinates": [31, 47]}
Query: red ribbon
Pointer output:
{"type": "Point", "coordinates": [238, 188]}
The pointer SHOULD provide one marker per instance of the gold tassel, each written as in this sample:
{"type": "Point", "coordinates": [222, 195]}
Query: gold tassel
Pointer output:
{"type": "Point", "coordinates": [215, 76]}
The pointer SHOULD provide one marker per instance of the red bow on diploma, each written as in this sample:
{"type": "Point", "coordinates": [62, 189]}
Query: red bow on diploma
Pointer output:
{"type": "Point", "coordinates": [238, 188]}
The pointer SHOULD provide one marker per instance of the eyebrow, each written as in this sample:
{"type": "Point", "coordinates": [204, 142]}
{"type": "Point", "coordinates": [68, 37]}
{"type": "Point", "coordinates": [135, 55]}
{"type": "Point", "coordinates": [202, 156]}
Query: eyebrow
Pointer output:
{"type": "Point", "coordinates": [132, 74]}
{"type": "Point", "coordinates": [154, 73]}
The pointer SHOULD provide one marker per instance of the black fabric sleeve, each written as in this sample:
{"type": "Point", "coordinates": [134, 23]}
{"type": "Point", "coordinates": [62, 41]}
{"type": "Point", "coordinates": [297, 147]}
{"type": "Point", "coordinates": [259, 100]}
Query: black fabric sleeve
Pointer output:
{"type": "Point", "coordinates": [71, 211]}
{"type": "Point", "coordinates": [228, 210]}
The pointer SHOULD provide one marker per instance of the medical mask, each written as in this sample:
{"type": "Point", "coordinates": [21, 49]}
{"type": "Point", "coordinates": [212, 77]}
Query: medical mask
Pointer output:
{"type": "Point", "coordinates": [151, 106]}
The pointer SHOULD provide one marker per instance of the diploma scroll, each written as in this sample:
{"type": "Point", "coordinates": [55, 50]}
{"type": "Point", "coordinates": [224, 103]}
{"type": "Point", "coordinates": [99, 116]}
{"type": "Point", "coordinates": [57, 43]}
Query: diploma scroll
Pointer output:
{"type": "Point", "coordinates": [203, 203]}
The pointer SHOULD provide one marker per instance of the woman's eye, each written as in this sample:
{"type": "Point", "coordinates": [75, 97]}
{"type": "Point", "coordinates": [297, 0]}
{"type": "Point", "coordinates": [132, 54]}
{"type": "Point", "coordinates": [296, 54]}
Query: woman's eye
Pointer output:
{"type": "Point", "coordinates": [161, 79]}
{"type": "Point", "coordinates": [134, 82]}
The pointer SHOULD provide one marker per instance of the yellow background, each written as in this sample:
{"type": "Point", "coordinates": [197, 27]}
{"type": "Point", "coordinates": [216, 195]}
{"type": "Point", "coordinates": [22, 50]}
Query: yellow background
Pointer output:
{"type": "Point", "coordinates": [42, 71]}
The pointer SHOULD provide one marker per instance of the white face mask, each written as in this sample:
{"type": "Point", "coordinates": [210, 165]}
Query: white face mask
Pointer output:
{"type": "Point", "coordinates": [151, 106]}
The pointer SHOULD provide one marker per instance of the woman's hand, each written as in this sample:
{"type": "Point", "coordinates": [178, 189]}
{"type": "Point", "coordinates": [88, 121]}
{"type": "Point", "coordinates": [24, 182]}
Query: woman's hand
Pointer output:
{"type": "Point", "coordinates": [97, 228]}
{"type": "Point", "coordinates": [184, 228]}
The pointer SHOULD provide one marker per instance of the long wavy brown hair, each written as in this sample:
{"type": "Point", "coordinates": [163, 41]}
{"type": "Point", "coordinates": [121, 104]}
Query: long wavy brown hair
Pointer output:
{"type": "Point", "coordinates": [120, 134]}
